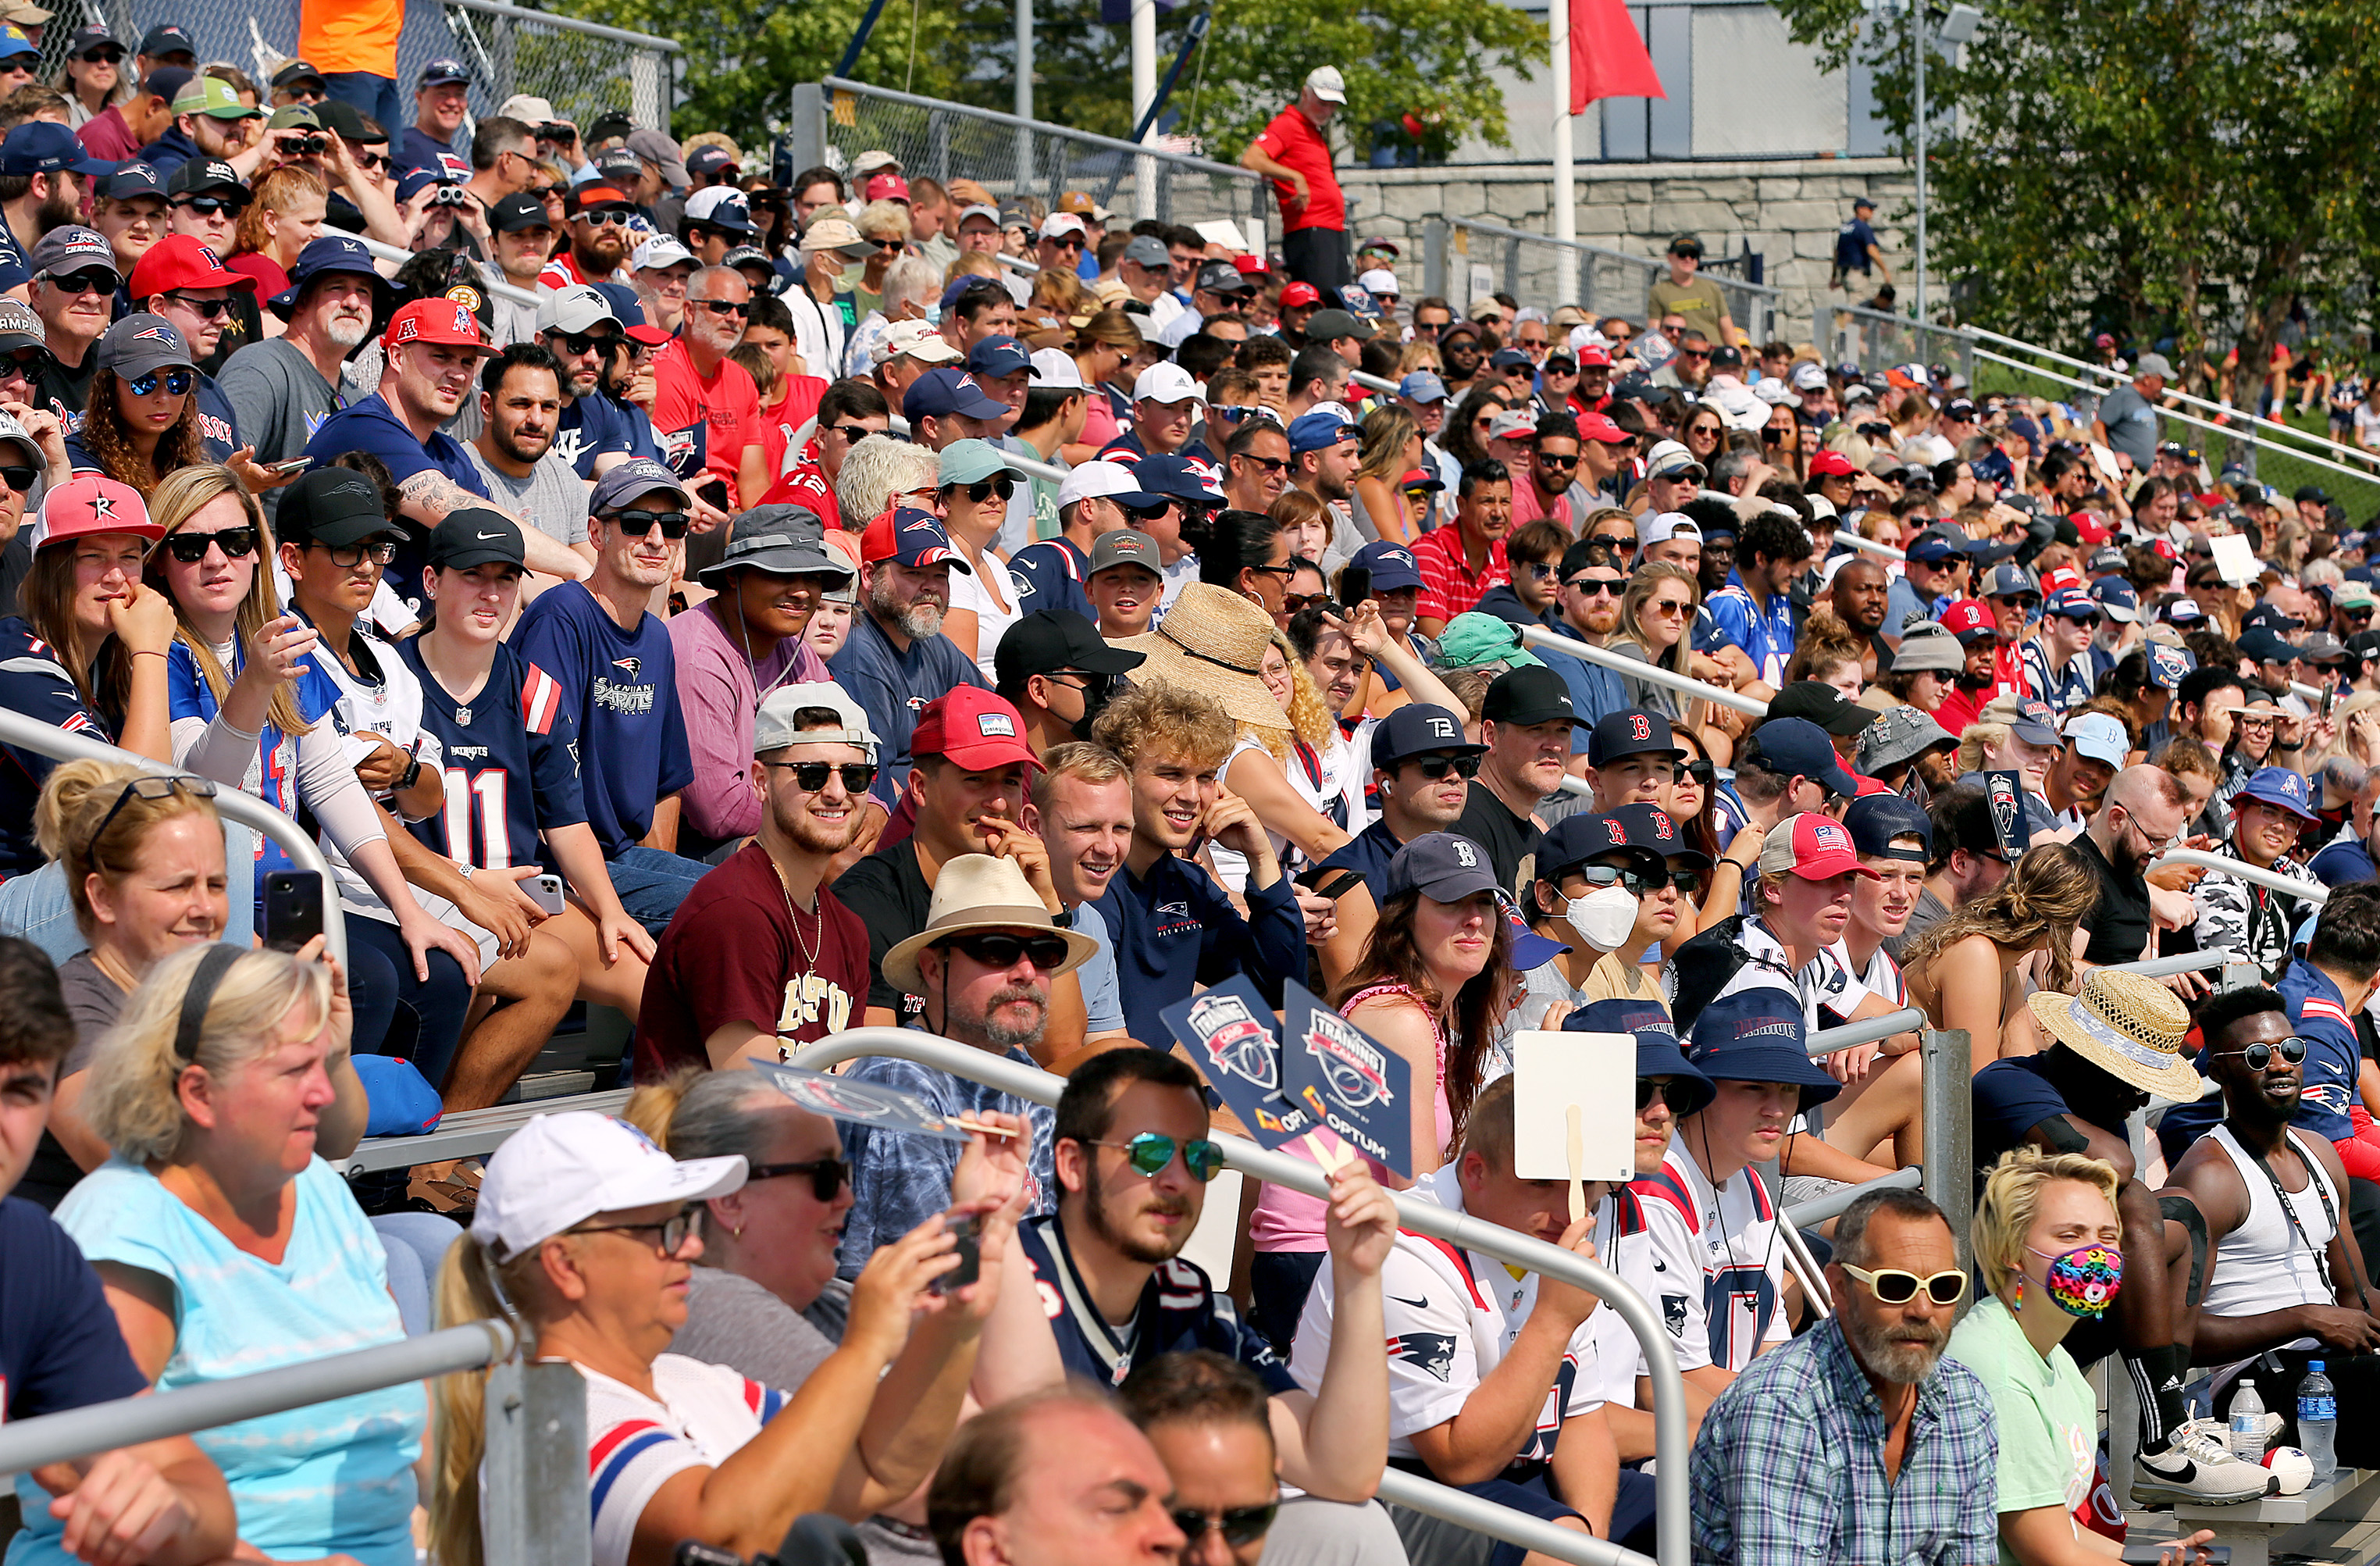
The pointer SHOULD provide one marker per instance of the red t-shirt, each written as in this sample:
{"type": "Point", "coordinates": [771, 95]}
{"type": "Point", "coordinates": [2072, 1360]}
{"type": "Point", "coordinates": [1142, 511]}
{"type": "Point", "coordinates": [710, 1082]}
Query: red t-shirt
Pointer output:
{"type": "Point", "coordinates": [732, 952]}
{"type": "Point", "coordinates": [807, 485]}
{"type": "Point", "coordinates": [1448, 586]}
{"type": "Point", "coordinates": [727, 401]}
{"type": "Point", "coordinates": [790, 413]}
{"type": "Point", "coordinates": [1293, 142]}
{"type": "Point", "coordinates": [269, 277]}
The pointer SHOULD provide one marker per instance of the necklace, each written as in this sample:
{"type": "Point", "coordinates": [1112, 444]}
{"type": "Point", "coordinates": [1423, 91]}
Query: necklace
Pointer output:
{"type": "Point", "coordinates": [809, 945]}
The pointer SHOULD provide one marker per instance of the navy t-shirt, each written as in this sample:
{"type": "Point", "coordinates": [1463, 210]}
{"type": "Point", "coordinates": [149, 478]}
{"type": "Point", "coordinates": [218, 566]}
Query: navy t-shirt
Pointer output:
{"type": "Point", "coordinates": [1179, 1311]}
{"type": "Point", "coordinates": [417, 149]}
{"type": "Point", "coordinates": [1853, 242]}
{"type": "Point", "coordinates": [593, 425]}
{"type": "Point", "coordinates": [2011, 1097]}
{"type": "Point", "coordinates": [512, 762]}
{"type": "Point", "coordinates": [33, 681]}
{"type": "Point", "coordinates": [370, 424]}
{"type": "Point", "coordinates": [620, 690]}
{"type": "Point", "coordinates": [1049, 575]}
{"type": "Point", "coordinates": [60, 1346]}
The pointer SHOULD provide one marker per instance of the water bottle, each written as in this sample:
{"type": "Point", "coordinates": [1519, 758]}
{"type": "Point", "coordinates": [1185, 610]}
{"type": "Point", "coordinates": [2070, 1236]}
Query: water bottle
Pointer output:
{"type": "Point", "coordinates": [2318, 1421]}
{"type": "Point", "coordinates": [2247, 1422]}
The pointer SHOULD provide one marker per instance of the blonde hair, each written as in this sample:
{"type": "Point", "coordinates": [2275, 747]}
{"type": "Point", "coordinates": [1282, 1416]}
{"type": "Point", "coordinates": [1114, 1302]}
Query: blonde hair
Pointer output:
{"type": "Point", "coordinates": [1639, 592]}
{"type": "Point", "coordinates": [78, 797]}
{"type": "Point", "coordinates": [1079, 760]}
{"type": "Point", "coordinates": [181, 495]}
{"type": "Point", "coordinates": [133, 1102]}
{"type": "Point", "coordinates": [2012, 1195]}
{"type": "Point", "coordinates": [1976, 742]}
{"type": "Point", "coordinates": [468, 1287]}
{"type": "Point", "coordinates": [883, 220]}
{"type": "Point", "coordinates": [2044, 896]}
{"type": "Point", "coordinates": [1387, 430]}
{"type": "Point", "coordinates": [1167, 717]}
{"type": "Point", "coordinates": [2185, 757]}
{"type": "Point", "coordinates": [1308, 719]}
{"type": "Point", "coordinates": [1825, 642]}
{"type": "Point", "coordinates": [974, 263]}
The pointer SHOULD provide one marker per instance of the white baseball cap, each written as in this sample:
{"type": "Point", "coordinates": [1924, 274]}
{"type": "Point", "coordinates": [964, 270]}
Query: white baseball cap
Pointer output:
{"type": "Point", "coordinates": [1379, 281]}
{"type": "Point", "coordinates": [1054, 370]}
{"type": "Point", "coordinates": [1063, 223]}
{"type": "Point", "coordinates": [1166, 381]}
{"type": "Point", "coordinates": [918, 340]}
{"type": "Point", "coordinates": [1667, 526]}
{"type": "Point", "coordinates": [1328, 84]}
{"type": "Point", "coordinates": [2099, 737]}
{"type": "Point", "coordinates": [573, 309]}
{"type": "Point", "coordinates": [561, 1170]}
{"type": "Point", "coordinates": [778, 723]}
{"type": "Point", "coordinates": [1097, 481]}
{"type": "Point", "coordinates": [656, 253]}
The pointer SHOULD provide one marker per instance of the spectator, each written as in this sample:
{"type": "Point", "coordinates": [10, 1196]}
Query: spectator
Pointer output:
{"type": "Point", "coordinates": [947, 404]}
{"type": "Point", "coordinates": [972, 491]}
{"type": "Point", "coordinates": [703, 397]}
{"type": "Point", "coordinates": [142, 422]}
{"type": "Point", "coordinates": [2127, 419]}
{"type": "Point", "coordinates": [522, 234]}
{"type": "Point", "coordinates": [440, 103]}
{"type": "Point", "coordinates": [2266, 815]}
{"type": "Point", "coordinates": [503, 162]}
{"type": "Point", "coordinates": [1084, 799]}
{"type": "Point", "coordinates": [848, 412]}
{"type": "Point", "coordinates": [1294, 154]}
{"type": "Point", "coordinates": [203, 200]}
{"type": "Point", "coordinates": [520, 407]}
{"type": "Point", "coordinates": [1059, 675]}
{"type": "Point", "coordinates": [128, 211]}
{"type": "Point", "coordinates": [824, 311]}
{"type": "Point", "coordinates": [1421, 763]}
{"type": "Point", "coordinates": [118, 132]}
{"type": "Point", "coordinates": [597, 431]}
{"type": "Point", "coordinates": [1125, 583]}
{"type": "Point", "coordinates": [897, 658]}
{"type": "Point", "coordinates": [1525, 725]}
{"type": "Point", "coordinates": [75, 277]}
{"type": "Point", "coordinates": [283, 218]}
{"type": "Point", "coordinates": [599, 237]}
{"type": "Point", "coordinates": [279, 388]}
{"type": "Point", "coordinates": [207, 124]}
{"type": "Point", "coordinates": [164, 1498]}
{"type": "Point", "coordinates": [2142, 817]}
{"type": "Point", "coordinates": [1459, 564]}
{"type": "Point", "coordinates": [46, 177]}
{"type": "Point", "coordinates": [1754, 610]}
{"type": "Point", "coordinates": [215, 1080]}
{"type": "Point", "coordinates": [1094, 500]}
{"type": "Point", "coordinates": [1060, 1472]}
{"type": "Point", "coordinates": [1793, 1456]}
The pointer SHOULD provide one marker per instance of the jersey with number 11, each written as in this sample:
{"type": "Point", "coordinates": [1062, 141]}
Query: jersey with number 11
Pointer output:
{"type": "Point", "coordinates": [512, 762]}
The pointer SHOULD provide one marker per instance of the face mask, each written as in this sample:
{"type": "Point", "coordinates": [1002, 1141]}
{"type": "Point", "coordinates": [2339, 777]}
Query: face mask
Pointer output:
{"type": "Point", "coordinates": [1604, 918]}
{"type": "Point", "coordinates": [2083, 1281]}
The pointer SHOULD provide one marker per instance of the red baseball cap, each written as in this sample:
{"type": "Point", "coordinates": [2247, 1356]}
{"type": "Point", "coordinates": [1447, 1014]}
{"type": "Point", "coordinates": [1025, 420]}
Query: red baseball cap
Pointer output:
{"type": "Point", "coordinates": [89, 505]}
{"type": "Point", "coordinates": [974, 728]}
{"type": "Point", "coordinates": [1832, 464]}
{"type": "Point", "coordinates": [2089, 528]}
{"type": "Point", "coordinates": [1872, 785]}
{"type": "Point", "coordinates": [1967, 618]}
{"type": "Point", "coordinates": [2064, 577]}
{"type": "Point", "coordinates": [2165, 549]}
{"type": "Point", "coordinates": [1591, 356]}
{"type": "Point", "coordinates": [1298, 295]}
{"type": "Point", "coordinates": [182, 261]}
{"type": "Point", "coordinates": [1815, 847]}
{"type": "Point", "coordinates": [442, 320]}
{"type": "Point", "coordinates": [1252, 266]}
{"type": "Point", "coordinates": [910, 536]}
{"type": "Point", "coordinates": [1598, 427]}
{"type": "Point", "coordinates": [888, 187]}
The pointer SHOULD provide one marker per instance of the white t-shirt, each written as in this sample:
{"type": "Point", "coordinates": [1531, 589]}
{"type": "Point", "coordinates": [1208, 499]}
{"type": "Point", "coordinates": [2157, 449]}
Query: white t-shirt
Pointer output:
{"type": "Point", "coordinates": [636, 1445]}
{"type": "Point", "coordinates": [1451, 1317]}
{"type": "Point", "coordinates": [1825, 980]}
{"type": "Point", "coordinates": [1719, 1264]}
{"type": "Point", "coordinates": [992, 620]}
{"type": "Point", "coordinates": [2367, 426]}
{"type": "Point", "coordinates": [386, 701]}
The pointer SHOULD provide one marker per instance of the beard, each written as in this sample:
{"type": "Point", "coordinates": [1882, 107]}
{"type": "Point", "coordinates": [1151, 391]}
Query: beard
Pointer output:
{"type": "Point", "coordinates": [519, 448]}
{"type": "Point", "coordinates": [1902, 1353]}
{"type": "Point", "coordinates": [1004, 1037]}
{"type": "Point", "coordinates": [814, 836]}
{"type": "Point", "coordinates": [344, 332]}
{"type": "Point", "coordinates": [1095, 1213]}
{"type": "Point", "coordinates": [920, 621]}
{"type": "Point", "coordinates": [1974, 682]}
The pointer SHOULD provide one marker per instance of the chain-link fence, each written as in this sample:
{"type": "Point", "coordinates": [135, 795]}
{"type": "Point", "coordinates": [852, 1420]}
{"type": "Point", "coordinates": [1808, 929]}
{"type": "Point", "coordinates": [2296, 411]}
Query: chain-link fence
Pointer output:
{"type": "Point", "coordinates": [1464, 259]}
{"type": "Point", "coordinates": [582, 68]}
{"type": "Point", "coordinates": [834, 121]}
{"type": "Point", "coordinates": [1874, 341]}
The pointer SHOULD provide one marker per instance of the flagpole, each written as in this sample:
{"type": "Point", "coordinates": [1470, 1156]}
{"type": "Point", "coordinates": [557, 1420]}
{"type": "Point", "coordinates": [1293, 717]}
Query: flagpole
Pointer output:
{"type": "Point", "coordinates": [1565, 171]}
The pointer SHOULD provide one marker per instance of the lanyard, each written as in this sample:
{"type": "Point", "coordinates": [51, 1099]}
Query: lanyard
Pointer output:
{"type": "Point", "coordinates": [2290, 1211]}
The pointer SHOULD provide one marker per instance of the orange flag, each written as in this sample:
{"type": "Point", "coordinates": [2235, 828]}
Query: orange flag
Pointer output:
{"type": "Point", "coordinates": [1607, 55]}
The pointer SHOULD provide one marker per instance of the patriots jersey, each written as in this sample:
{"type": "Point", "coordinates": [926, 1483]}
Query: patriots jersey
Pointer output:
{"type": "Point", "coordinates": [1451, 1317]}
{"type": "Point", "coordinates": [698, 1417]}
{"type": "Point", "coordinates": [2065, 690]}
{"type": "Point", "coordinates": [33, 681]}
{"type": "Point", "coordinates": [1830, 992]}
{"type": "Point", "coordinates": [1179, 1311]}
{"type": "Point", "coordinates": [1718, 1265]}
{"type": "Point", "coordinates": [2334, 1055]}
{"type": "Point", "coordinates": [512, 762]}
{"type": "Point", "coordinates": [272, 776]}
{"type": "Point", "coordinates": [1049, 575]}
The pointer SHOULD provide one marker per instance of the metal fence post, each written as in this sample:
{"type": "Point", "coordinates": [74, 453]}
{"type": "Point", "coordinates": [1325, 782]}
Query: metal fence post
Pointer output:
{"type": "Point", "coordinates": [533, 1488]}
{"type": "Point", "coordinates": [1950, 1107]}
{"type": "Point", "coordinates": [1434, 246]}
{"type": "Point", "coordinates": [807, 134]}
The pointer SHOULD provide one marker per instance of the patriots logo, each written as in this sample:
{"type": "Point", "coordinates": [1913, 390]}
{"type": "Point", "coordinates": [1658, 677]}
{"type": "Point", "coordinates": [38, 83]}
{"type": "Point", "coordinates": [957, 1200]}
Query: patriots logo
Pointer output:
{"type": "Point", "coordinates": [463, 322]}
{"type": "Point", "coordinates": [630, 666]}
{"type": "Point", "coordinates": [1673, 1314]}
{"type": "Point", "coordinates": [165, 334]}
{"type": "Point", "coordinates": [1433, 1352]}
{"type": "Point", "coordinates": [923, 523]}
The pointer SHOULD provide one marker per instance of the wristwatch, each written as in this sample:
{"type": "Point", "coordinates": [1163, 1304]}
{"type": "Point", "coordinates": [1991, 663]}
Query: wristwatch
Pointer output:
{"type": "Point", "coordinates": [407, 778]}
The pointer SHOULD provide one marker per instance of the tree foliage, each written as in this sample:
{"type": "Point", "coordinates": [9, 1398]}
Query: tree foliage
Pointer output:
{"type": "Point", "coordinates": [2154, 167]}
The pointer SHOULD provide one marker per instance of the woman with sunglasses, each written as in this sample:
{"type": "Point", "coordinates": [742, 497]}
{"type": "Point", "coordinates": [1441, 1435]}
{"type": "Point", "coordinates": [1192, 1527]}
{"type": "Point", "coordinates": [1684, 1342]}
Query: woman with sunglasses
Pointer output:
{"type": "Point", "coordinates": [1104, 348]}
{"type": "Point", "coordinates": [1243, 551]}
{"type": "Point", "coordinates": [1694, 800]}
{"type": "Point", "coordinates": [972, 485]}
{"type": "Point", "coordinates": [1703, 434]}
{"type": "Point", "coordinates": [1463, 436]}
{"type": "Point", "coordinates": [141, 421]}
{"type": "Point", "coordinates": [2256, 723]}
{"type": "Point", "coordinates": [1393, 448]}
{"type": "Point", "coordinates": [1780, 443]}
{"type": "Point", "coordinates": [1657, 622]}
{"type": "Point", "coordinates": [92, 81]}
{"type": "Point", "coordinates": [2047, 1242]}
{"type": "Point", "coordinates": [589, 1231]}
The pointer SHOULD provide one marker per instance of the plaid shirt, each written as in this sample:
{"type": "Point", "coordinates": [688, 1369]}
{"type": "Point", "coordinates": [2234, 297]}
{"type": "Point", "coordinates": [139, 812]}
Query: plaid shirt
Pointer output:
{"type": "Point", "coordinates": [1447, 587]}
{"type": "Point", "coordinates": [1789, 1466]}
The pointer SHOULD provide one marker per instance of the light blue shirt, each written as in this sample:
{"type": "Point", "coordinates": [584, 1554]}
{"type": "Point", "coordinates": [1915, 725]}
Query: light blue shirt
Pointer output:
{"type": "Point", "coordinates": [335, 1477]}
{"type": "Point", "coordinates": [1103, 993]}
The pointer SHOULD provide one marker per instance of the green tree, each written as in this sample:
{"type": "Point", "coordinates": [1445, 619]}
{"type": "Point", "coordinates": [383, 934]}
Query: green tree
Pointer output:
{"type": "Point", "coordinates": [2151, 167]}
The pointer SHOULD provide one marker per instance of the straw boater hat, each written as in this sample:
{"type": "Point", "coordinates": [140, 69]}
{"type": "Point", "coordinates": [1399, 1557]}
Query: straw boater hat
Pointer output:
{"type": "Point", "coordinates": [978, 892]}
{"type": "Point", "coordinates": [1213, 641]}
{"type": "Point", "coordinates": [2130, 1027]}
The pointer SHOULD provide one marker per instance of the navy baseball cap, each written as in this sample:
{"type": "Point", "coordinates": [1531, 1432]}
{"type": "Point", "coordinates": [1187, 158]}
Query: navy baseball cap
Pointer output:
{"type": "Point", "coordinates": [1798, 747]}
{"type": "Point", "coordinates": [1313, 432]}
{"type": "Point", "coordinates": [331, 253]}
{"type": "Point", "coordinates": [1757, 1035]}
{"type": "Point", "coordinates": [1392, 566]}
{"type": "Point", "coordinates": [1530, 950]}
{"type": "Point", "coordinates": [1933, 545]}
{"type": "Point", "coordinates": [420, 179]}
{"type": "Point", "coordinates": [1650, 826]}
{"type": "Point", "coordinates": [2277, 785]}
{"type": "Point", "coordinates": [168, 37]}
{"type": "Point", "coordinates": [2034, 721]}
{"type": "Point", "coordinates": [133, 179]}
{"type": "Point", "coordinates": [2071, 604]}
{"type": "Point", "coordinates": [938, 394]}
{"type": "Point", "coordinates": [1574, 840]}
{"type": "Point", "coordinates": [1418, 729]}
{"type": "Point", "coordinates": [2115, 598]}
{"type": "Point", "coordinates": [1656, 1048]}
{"type": "Point", "coordinates": [38, 146]}
{"type": "Point", "coordinates": [2266, 646]}
{"type": "Point", "coordinates": [1441, 867]}
{"type": "Point", "coordinates": [998, 355]}
{"type": "Point", "coordinates": [442, 72]}
{"type": "Point", "coordinates": [1875, 820]}
{"type": "Point", "coordinates": [1177, 478]}
{"type": "Point", "coordinates": [632, 480]}
{"type": "Point", "coordinates": [1630, 732]}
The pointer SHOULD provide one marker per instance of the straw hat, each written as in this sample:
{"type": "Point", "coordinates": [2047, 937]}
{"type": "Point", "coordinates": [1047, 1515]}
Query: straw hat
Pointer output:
{"type": "Point", "coordinates": [2128, 1026]}
{"type": "Point", "coordinates": [978, 892]}
{"type": "Point", "coordinates": [1213, 641]}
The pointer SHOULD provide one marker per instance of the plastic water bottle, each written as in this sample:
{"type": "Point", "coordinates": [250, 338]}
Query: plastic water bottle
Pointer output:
{"type": "Point", "coordinates": [2318, 1421]}
{"type": "Point", "coordinates": [2247, 1422]}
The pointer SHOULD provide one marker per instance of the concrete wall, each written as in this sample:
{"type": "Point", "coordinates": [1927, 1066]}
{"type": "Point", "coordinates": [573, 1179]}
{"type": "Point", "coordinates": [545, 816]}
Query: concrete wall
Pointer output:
{"type": "Point", "coordinates": [1788, 211]}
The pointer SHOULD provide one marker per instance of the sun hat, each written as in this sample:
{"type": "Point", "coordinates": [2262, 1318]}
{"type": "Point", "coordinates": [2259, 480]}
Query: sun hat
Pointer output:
{"type": "Point", "coordinates": [1902, 733]}
{"type": "Point", "coordinates": [976, 892]}
{"type": "Point", "coordinates": [1213, 642]}
{"type": "Point", "coordinates": [561, 1170]}
{"type": "Point", "coordinates": [1757, 1035]}
{"type": "Point", "coordinates": [2132, 1027]}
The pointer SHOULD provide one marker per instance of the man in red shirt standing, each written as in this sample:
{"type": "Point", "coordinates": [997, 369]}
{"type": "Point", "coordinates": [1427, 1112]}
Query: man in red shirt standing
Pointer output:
{"type": "Point", "coordinates": [1295, 154]}
{"type": "Point", "coordinates": [706, 409]}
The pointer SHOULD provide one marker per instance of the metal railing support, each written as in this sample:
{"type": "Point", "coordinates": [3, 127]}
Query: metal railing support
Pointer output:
{"type": "Point", "coordinates": [1853, 540]}
{"type": "Point", "coordinates": [1685, 685]}
{"type": "Point", "coordinates": [1670, 1438]}
{"type": "Point", "coordinates": [232, 803]}
{"type": "Point", "coordinates": [533, 1504]}
{"type": "Point", "coordinates": [1818, 1209]}
{"type": "Point", "coordinates": [1372, 382]}
{"type": "Point", "coordinates": [1949, 1110]}
{"type": "Point", "coordinates": [2180, 962]}
{"type": "Point", "coordinates": [1867, 1030]}
{"type": "Point", "coordinates": [1533, 1534]}
{"type": "Point", "coordinates": [2314, 893]}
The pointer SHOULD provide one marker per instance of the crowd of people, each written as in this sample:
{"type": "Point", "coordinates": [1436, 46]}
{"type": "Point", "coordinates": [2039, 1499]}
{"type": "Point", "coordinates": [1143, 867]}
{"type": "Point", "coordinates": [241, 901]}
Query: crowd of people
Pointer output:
{"type": "Point", "coordinates": [769, 609]}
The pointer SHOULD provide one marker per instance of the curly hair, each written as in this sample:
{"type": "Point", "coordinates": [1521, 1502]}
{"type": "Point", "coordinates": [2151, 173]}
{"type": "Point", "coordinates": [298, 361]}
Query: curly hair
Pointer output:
{"type": "Point", "coordinates": [1826, 643]}
{"type": "Point", "coordinates": [1468, 1020]}
{"type": "Point", "coordinates": [110, 438]}
{"type": "Point", "coordinates": [2044, 896]}
{"type": "Point", "coordinates": [1161, 716]}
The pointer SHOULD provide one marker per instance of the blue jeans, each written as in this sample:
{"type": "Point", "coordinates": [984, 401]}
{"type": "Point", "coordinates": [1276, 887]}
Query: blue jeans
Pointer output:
{"type": "Point", "coordinates": [651, 884]}
{"type": "Point", "coordinates": [374, 95]}
{"type": "Point", "coordinates": [416, 1245]}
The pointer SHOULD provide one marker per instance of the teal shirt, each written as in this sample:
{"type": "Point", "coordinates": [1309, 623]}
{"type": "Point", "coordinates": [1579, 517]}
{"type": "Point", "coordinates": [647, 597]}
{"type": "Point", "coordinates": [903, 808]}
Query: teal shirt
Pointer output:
{"type": "Point", "coordinates": [2048, 1419]}
{"type": "Point", "coordinates": [335, 1477]}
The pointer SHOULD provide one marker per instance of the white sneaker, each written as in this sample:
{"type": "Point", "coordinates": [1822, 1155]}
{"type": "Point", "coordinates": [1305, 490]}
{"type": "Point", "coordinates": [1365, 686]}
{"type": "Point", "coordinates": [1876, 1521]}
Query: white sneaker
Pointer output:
{"type": "Point", "coordinates": [2197, 1468]}
{"type": "Point", "coordinates": [2269, 1430]}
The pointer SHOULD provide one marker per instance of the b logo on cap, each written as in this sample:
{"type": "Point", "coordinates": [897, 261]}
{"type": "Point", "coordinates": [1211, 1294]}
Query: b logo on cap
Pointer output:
{"type": "Point", "coordinates": [1618, 833]}
{"type": "Point", "coordinates": [1640, 727]}
{"type": "Point", "coordinates": [1463, 854]}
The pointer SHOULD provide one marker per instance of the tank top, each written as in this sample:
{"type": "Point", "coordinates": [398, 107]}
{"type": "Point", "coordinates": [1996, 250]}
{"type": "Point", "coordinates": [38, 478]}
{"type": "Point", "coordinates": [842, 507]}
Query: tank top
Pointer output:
{"type": "Point", "coordinates": [2266, 1264]}
{"type": "Point", "coordinates": [1291, 1220]}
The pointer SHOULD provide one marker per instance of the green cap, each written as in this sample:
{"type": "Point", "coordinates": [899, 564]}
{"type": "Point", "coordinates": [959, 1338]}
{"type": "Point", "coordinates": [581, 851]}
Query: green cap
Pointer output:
{"type": "Point", "coordinates": [213, 95]}
{"type": "Point", "coordinates": [1473, 640]}
{"type": "Point", "coordinates": [294, 116]}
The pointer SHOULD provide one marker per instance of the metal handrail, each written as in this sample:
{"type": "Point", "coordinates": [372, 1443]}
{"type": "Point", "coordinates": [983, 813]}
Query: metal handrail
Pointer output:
{"type": "Point", "coordinates": [104, 1426]}
{"type": "Point", "coordinates": [400, 255]}
{"type": "Point", "coordinates": [2180, 962]}
{"type": "Point", "coordinates": [992, 116]}
{"type": "Point", "coordinates": [572, 24]}
{"type": "Point", "coordinates": [1018, 263]}
{"type": "Point", "coordinates": [1371, 383]}
{"type": "Point", "coordinates": [1817, 1209]}
{"type": "Point", "coordinates": [237, 805]}
{"type": "Point", "coordinates": [1846, 537]}
{"type": "Point", "coordinates": [1669, 1428]}
{"type": "Point", "coordinates": [1498, 230]}
{"type": "Point", "coordinates": [1533, 1534]}
{"type": "Point", "coordinates": [1636, 669]}
{"type": "Point", "coordinates": [1868, 1030]}
{"type": "Point", "coordinates": [2313, 892]}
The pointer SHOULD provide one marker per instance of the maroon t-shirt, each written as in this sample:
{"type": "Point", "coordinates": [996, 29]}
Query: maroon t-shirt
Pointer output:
{"type": "Point", "coordinates": [732, 952]}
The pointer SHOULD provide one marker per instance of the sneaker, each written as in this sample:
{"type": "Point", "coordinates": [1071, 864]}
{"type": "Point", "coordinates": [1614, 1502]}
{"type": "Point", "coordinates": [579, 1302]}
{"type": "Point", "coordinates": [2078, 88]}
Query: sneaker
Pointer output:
{"type": "Point", "coordinates": [2269, 1430]}
{"type": "Point", "coordinates": [2198, 1467]}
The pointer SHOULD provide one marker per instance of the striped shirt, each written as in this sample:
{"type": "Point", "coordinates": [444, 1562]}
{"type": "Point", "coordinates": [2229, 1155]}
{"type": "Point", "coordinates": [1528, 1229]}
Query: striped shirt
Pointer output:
{"type": "Point", "coordinates": [1448, 587]}
{"type": "Point", "coordinates": [636, 1445]}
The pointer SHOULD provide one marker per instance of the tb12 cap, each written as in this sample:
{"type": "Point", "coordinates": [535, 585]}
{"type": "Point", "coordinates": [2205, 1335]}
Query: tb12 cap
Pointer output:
{"type": "Point", "coordinates": [1417, 729]}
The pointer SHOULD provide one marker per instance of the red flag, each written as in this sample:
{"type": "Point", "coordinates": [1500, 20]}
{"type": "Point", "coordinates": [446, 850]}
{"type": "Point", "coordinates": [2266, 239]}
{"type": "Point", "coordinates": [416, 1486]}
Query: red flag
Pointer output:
{"type": "Point", "coordinates": [1607, 55]}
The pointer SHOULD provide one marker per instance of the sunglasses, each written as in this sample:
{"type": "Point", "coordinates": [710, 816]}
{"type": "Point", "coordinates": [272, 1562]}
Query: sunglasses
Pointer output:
{"type": "Point", "coordinates": [85, 282]}
{"type": "Point", "coordinates": [1270, 464]}
{"type": "Point", "coordinates": [852, 434]}
{"type": "Point", "coordinates": [827, 1176]}
{"type": "Point", "coordinates": [724, 307]}
{"type": "Point", "coordinates": [176, 382]}
{"type": "Point", "coordinates": [603, 217]}
{"type": "Point", "coordinates": [2259, 1055]}
{"type": "Point", "coordinates": [1146, 513]}
{"type": "Point", "coordinates": [1295, 603]}
{"type": "Point", "coordinates": [1702, 773]}
{"type": "Point", "coordinates": [670, 1233]}
{"type": "Point", "coordinates": [1695, 353]}
{"type": "Point", "coordinates": [1669, 606]}
{"type": "Point", "coordinates": [982, 490]}
{"type": "Point", "coordinates": [810, 776]}
{"type": "Point", "coordinates": [1596, 587]}
{"type": "Point", "coordinates": [1047, 953]}
{"type": "Point", "coordinates": [1549, 460]}
{"type": "Point", "coordinates": [1649, 1088]}
{"type": "Point", "coordinates": [208, 206]}
{"type": "Point", "coordinates": [1614, 543]}
{"type": "Point", "coordinates": [1436, 767]}
{"type": "Point", "coordinates": [368, 160]}
{"type": "Point", "coordinates": [1612, 875]}
{"type": "Point", "coordinates": [153, 789]}
{"type": "Point", "coordinates": [237, 543]}
{"type": "Point", "coordinates": [26, 366]}
{"type": "Point", "coordinates": [1240, 1525]}
{"type": "Point", "coordinates": [640, 524]}
{"type": "Point", "coordinates": [1892, 1285]}
{"type": "Point", "coordinates": [1067, 242]}
{"type": "Point", "coordinates": [1148, 1154]}
{"type": "Point", "coordinates": [347, 557]}
{"type": "Point", "coordinates": [575, 343]}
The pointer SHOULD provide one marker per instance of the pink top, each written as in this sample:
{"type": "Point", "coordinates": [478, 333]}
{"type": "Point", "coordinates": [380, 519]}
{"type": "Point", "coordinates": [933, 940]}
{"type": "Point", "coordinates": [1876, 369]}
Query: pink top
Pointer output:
{"type": "Point", "coordinates": [1291, 1220]}
{"type": "Point", "coordinates": [718, 690]}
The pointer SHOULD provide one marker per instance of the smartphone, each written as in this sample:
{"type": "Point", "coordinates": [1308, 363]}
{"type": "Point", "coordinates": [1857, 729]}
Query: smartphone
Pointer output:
{"type": "Point", "coordinates": [1331, 883]}
{"type": "Point", "coordinates": [1354, 585]}
{"type": "Point", "coordinates": [970, 1254]}
{"type": "Point", "coordinates": [546, 893]}
{"type": "Point", "coordinates": [293, 909]}
{"type": "Point", "coordinates": [295, 465]}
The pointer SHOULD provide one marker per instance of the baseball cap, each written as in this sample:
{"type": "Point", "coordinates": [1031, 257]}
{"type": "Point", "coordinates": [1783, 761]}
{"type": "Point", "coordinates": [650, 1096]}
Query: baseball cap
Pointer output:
{"type": "Point", "coordinates": [655, 147]}
{"type": "Point", "coordinates": [333, 506]}
{"type": "Point", "coordinates": [1050, 639]}
{"type": "Point", "coordinates": [840, 235]}
{"type": "Point", "coordinates": [1823, 705]}
{"type": "Point", "coordinates": [2115, 598]}
{"type": "Point", "coordinates": [1000, 355]}
{"type": "Point", "coordinates": [2032, 721]}
{"type": "Point", "coordinates": [918, 340]}
{"type": "Point", "coordinates": [1419, 729]}
{"type": "Point", "coordinates": [13, 432]}
{"type": "Point", "coordinates": [1319, 430]}
{"type": "Point", "coordinates": [1650, 826]}
{"type": "Point", "coordinates": [1811, 846]}
{"type": "Point", "coordinates": [476, 535]}
{"type": "Point", "coordinates": [1532, 694]}
{"type": "Point", "coordinates": [1798, 747]}
{"type": "Point", "coordinates": [1222, 277]}
{"type": "Point", "coordinates": [519, 211]}
{"type": "Point", "coordinates": [709, 158]}
{"type": "Point", "coordinates": [779, 722]}
{"type": "Point", "coordinates": [1327, 325]}
{"type": "Point", "coordinates": [69, 249]}
{"type": "Point", "coordinates": [966, 462]}
{"type": "Point", "coordinates": [214, 97]}
{"type": "Point", "coordinates": [1057, 371]}
{"type": "Point", "coordinates": [1106, 480]}
{"type": "Point", "coordinates": [89, 504]}
{"type": "Point", "coordinates": [656, 253]}
{"type": "Point", "coordinates": [1165, 381]}
{"type": "Point", "coordinates": [2266, 646]}
{"type": "Point", "coordinates": [1969, 621]}
{"type": "Point", "coordinates": [1928, 645]}
{"type": "Point", "coordinates": [1874, 820]}
{"type": "Point", "coordinates": [208, 177]}
{"type": "Point", "coordinates": [1124, 546]}
{"type": "Point", "coordinates": [132, 179]}
{"type": "Point", "coordinates": [345, 118]}
{"type": "Point", "coordinates": [1658, 1054]}
{"type": "Point", "coordinates": [416, 181]}
{"type": "Point", "coordinates": [444, 71]}
{"type": "Point", "coordinates": [975, 728]}
{"type": "Point", "coordinates": [783, 540]}
{"type": "Point", "coordinates": [1422, 386]}
{"type": "Point", "coordinates": [1809, 377]}
{"type": "Point", "coordinates": [1474, 640]}
{"type": "Point", "coordinates": [572, 310]}
{"type": "Point", "coordinates": [141, 343]}
{"type": "Point", "coordinates": [938, 394]}
{"type": "Point", "coordinates": [1513, 424]}
{"type": "Point", "coordinates": [887, 188]}
{"type": "Point", "coordinates": [19, 327]}
{"type": "Point", "coordinates": [1664, 526]}
{"type": "Point", "coordinates": [2007, 581]}
{"type": "Point", "coordinates": [561, 1170]}
{"type": "Point", "coordinates": [44, 146]}
{"type": "Point", "coordinates": [167, 82]}
{"type": "Point", "coordinates": [630, 313]}
{"type": "Point", "coordinates": [720, 206]}
{"type": "Point", "coordinates": [911, 537]}
{"type": "Point", "coordinates": [630, 482]}
{"type": "Point", "coordinates": [1179, 478]}
{"type": "Point", "coordinates": [1327, 84]}
{"type": "Point", "coordinates": [2272, 785]}
{"type": "Point", "coordinates": [1669, 459]}
{"type": "Point", "coordinates": [1299, 295]}
{"type": "Point", "coordinates": [1442, 866]}
{"type": "Point", "coordinates": [2184, 612]}
{"type": "Point", "coordinates": [168, 37]}
{"type": "Point", "coordinates": [1630, 732]}
{"type": "Point", "coordinates": [447, 323]}
{"type": "Point", "coordinates": [179, 261]}
{"type": "Point", "coordinates": [289, 75]}
{"type": "Point", "coordinates": [1392, 566]}
{"type": "Point", "coordinates": [2100, 736]}
{"type": "Point", "coordinates": [1148, 250]}
{"type": "Point", "coordinates": [97, 36]}
{"type": "Point", "coordinates": [1379, 280]}
{"type": "Point", "coordinates": [1421, 480]}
